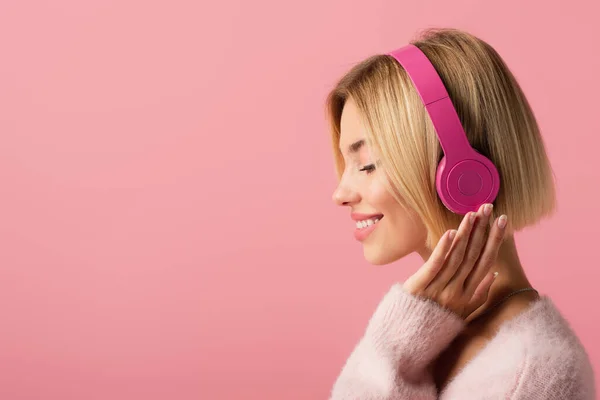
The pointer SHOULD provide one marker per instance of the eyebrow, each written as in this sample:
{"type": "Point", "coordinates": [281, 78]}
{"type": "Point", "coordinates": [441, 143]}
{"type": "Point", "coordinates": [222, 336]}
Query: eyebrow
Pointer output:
{"type": "Point", "coordinates": [356, 146]}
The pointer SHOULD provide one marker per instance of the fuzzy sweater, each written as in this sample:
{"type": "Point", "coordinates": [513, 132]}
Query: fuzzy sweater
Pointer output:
{"type": "Point", "coordinates": [534, 355]}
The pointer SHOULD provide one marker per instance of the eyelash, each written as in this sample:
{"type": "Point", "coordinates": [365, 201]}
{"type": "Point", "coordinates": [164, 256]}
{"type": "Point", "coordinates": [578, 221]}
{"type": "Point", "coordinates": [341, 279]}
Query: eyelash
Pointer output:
{"type": "Point", "coordinates": [368, 168]}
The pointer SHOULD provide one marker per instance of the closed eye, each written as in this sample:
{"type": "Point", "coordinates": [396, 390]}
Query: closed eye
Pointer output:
{"type": "Point", "coordinates": [368, 168]}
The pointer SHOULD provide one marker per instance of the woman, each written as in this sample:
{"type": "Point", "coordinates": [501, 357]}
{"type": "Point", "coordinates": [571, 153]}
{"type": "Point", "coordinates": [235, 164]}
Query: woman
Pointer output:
{"type": "Point", "coordinates": [467, 324]}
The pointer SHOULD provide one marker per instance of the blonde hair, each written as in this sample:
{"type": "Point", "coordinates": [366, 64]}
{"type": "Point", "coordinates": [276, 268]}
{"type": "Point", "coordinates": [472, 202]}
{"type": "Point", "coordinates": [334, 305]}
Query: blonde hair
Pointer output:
{"type": "Point", "coordinates": [494, 112]}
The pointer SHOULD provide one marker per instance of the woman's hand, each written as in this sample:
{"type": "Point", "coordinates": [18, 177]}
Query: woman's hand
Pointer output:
{"type": "Point", "coordinates": [457, 274]}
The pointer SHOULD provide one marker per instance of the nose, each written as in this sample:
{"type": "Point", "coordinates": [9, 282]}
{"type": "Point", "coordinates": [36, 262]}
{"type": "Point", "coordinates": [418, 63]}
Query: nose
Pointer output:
{"type": "Point", "coordinates": [344, 196]}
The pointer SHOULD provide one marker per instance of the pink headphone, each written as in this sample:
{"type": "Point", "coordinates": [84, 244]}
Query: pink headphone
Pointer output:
{"type": "Point", "coordinates": [465, 179]}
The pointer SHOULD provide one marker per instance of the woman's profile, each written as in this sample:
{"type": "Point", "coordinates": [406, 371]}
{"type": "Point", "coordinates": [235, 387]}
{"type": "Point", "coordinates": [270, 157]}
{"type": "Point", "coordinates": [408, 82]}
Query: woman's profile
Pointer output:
{"type": "Point", "coordinates": [468, 324]}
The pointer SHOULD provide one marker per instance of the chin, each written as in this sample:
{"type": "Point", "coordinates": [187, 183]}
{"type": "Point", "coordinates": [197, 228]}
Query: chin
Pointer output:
{"type": "Point", "coordinates": [379, 255]}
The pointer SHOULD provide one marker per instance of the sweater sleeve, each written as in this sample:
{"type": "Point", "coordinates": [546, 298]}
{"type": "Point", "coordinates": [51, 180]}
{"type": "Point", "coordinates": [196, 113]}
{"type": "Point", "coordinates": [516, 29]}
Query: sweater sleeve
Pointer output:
{"type": "Point", "coordinates": [390, 362]}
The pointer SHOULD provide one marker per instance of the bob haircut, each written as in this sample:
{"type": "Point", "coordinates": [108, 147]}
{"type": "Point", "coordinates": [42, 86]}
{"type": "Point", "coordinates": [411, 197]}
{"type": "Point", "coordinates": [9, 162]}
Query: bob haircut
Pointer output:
{"type": "Point", "coordinates": [493, 110]}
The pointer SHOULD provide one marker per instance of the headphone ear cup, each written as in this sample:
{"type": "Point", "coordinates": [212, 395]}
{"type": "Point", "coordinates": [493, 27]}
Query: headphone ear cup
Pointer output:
{"type": "Point", "coordinates": [465, 185]}
{"type": "Point", "coordinates": [441, 185]}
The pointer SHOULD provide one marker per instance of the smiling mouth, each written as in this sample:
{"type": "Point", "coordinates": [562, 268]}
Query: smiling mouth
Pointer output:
{"type": "Point", "coordinates": [367, 222]}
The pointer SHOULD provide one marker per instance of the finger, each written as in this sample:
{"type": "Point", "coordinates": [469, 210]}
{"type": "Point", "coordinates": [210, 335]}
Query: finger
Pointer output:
{"type": "Point", "coordinates": [475, 245]}
{"type": "Point", "coordinates": [454, 258]}
{"type": "Point", "coordinates": [489, 255]}
{"type": "Point", "coordinates": [481, 294]}
{"type": "Point", "coordinates": [436, 261]}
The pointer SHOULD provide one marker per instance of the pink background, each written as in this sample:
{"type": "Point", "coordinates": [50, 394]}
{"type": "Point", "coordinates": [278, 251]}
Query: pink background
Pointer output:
{"type": "Point", "coordinates": [167, 229]}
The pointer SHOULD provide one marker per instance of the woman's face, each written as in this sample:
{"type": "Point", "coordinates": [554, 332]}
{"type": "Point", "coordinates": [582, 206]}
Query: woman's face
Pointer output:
{"type": "Point", "coordinates": [383, 226]}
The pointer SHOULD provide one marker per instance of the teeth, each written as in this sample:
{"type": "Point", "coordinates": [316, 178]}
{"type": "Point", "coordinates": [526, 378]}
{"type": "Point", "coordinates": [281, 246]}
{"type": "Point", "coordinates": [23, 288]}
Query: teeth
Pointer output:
{"type": "Point", "coordinates": [366, 223]}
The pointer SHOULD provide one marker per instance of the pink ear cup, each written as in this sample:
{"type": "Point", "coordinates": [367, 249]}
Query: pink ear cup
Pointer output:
{"type": "Point", "coordinates": [466, 184]}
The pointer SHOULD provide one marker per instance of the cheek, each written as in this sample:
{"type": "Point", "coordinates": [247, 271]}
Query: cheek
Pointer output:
{"type": "Point", "coordinates": [380, 199]}
{"type": "Point", "coordinates": [406, 231]}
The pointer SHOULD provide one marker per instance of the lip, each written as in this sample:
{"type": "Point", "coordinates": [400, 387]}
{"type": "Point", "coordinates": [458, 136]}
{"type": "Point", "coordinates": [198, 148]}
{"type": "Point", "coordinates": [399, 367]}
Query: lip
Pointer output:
{"type": "Point", "coordinates": [361, 217]}
{"type": "Point", "coordinates": [361, 233]}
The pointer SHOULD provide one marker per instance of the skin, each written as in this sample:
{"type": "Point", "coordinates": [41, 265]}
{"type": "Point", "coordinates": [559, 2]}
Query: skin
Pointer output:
{"type": "Point", "coordinates": [457, 273]}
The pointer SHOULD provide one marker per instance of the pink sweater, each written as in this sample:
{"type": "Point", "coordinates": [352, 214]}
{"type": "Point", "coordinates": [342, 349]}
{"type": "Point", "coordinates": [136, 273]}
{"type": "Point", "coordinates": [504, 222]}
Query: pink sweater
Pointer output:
{"type": "Point", "coordinates": [534, 355]}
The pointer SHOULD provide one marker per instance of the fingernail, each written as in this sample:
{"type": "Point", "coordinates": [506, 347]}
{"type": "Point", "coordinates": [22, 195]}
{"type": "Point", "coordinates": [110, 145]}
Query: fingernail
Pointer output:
{"type": "Point", "coordinates": [495, 275]}
{"type": "Point", "coordinates": [487, 209]}
{"type": "Point", "coordinates": [472, 217]}
{"type": "Point", "coordinates": [452, 234]}
{"type": "Point", "coordinates": [502, 221]}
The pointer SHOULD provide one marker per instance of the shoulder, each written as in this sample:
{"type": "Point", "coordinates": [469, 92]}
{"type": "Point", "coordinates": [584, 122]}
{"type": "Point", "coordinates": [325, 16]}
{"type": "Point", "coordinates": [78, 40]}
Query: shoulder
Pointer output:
{"type": "Point", "coordinates": [533, 354]}
{"type": "Point", "coordinates": [554, 359]}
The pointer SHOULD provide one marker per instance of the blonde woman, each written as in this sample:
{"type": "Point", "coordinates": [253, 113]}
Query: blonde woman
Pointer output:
{"type": "Point", "coordinates": [468, 324]}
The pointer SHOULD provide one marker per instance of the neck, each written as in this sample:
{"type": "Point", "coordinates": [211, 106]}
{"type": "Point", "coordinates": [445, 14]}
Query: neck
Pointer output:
{"type": "Point", "coordinates": [511, 276]}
